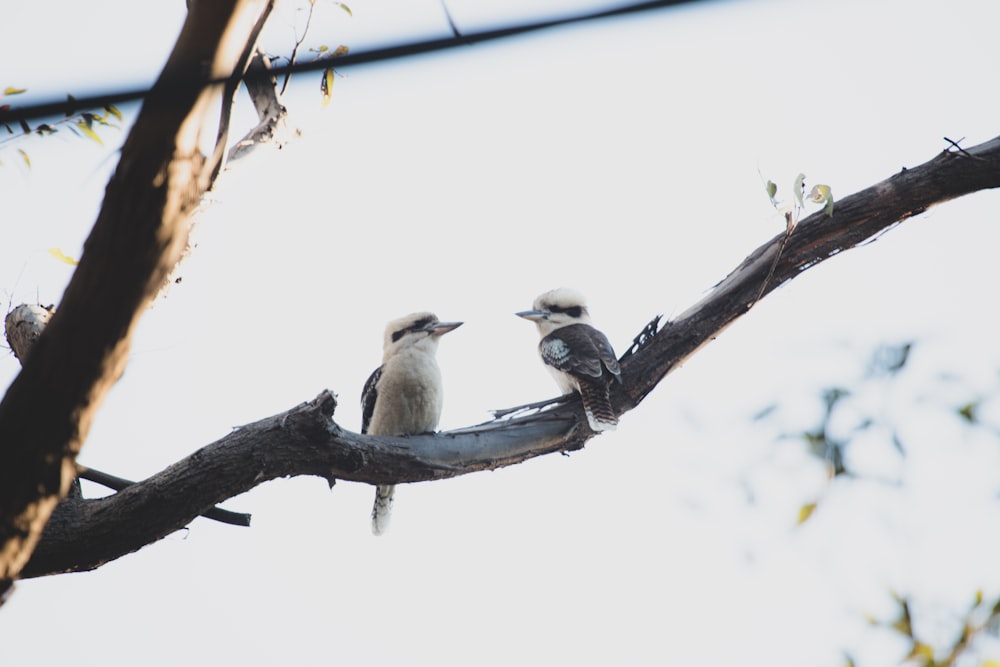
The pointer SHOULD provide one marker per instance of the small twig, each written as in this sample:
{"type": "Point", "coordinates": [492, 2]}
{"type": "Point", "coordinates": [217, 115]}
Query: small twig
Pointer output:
{"type": "Point", "coordinates": [954, 144]}
{"type": "Point", "coordinates": [119, 483]}
{"type": "Point", "coordinates": [298, 43]}
{"type": "Point", "coordinates": [451, 21]}
{"type": "Point", "coordinates": [774, 265]}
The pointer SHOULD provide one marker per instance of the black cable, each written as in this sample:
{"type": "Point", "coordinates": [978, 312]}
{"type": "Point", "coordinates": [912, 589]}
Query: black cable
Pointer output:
{"type": "Point", "coordinates": [19, 115]}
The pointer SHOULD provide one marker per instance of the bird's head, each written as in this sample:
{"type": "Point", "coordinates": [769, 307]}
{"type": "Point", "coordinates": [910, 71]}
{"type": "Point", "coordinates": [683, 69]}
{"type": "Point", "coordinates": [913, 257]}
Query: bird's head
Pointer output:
{"type": "Point", "coordinates": [557, 308]}
{"type": "Point", "coordinates": [421, 330]}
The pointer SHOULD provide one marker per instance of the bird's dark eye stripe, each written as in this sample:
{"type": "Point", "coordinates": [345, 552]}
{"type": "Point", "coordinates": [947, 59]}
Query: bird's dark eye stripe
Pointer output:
{"type": "Point", "coordinates": [572, 311]}
{"type": "Point", "coordinates": [416, 326]}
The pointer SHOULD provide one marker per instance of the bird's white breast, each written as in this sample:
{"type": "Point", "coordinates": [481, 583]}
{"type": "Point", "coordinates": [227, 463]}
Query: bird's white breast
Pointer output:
{"type": "Point", "coordinates": [409, 395]}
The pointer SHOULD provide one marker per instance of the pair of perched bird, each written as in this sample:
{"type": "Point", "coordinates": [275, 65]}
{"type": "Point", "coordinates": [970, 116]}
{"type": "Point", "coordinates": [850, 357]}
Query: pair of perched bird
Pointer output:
{"type": "Point", "coordinates": [404, 395]}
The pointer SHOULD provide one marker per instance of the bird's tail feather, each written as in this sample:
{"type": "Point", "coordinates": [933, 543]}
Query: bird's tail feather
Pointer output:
{"type": "Point", "coordinates": [597, 406]}
{"type": "Point", "coordinates": [382, 509]}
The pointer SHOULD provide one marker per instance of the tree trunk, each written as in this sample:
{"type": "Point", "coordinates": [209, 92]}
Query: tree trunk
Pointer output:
{"type": "Point", "coordinates": [138, 237]}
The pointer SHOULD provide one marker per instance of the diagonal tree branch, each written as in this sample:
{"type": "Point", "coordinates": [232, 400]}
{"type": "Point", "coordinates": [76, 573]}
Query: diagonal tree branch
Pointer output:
{"type": "Point", "coordinates": [84, 534]}
{"type": "Point", "coordinates": [857, 219]}
{"type": "Point", "coordinates": [138, 236]}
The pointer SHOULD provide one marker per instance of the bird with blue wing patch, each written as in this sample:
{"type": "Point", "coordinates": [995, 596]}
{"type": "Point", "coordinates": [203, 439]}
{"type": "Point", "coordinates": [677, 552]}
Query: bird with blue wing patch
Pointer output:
{"type": "Point", "coordinates": [578, 356]}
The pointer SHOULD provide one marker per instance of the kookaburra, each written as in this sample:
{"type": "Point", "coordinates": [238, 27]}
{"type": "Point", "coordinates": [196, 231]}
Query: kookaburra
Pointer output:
{"type": "Point", "coordinates": [403, 396]}
{"type": "Point", "coordinates": [579, 356]}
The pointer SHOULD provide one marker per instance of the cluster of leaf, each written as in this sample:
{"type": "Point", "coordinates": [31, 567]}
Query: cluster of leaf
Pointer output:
{"type": "Point", "coordinates": [819, 194]}
{"type": "Point", "coordinates": [81, 123]}
{"type": "Point", "coordinates": [321, 52]}
{"type": "Point", "coordinates": [829, 441]}
{"type": "Point", "coordinates": [981, 618]}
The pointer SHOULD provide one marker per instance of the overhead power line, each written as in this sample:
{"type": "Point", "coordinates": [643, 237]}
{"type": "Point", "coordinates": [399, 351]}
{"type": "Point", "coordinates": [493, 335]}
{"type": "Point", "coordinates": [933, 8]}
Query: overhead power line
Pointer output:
{"type": "Point", "coordinates": [18, 115]}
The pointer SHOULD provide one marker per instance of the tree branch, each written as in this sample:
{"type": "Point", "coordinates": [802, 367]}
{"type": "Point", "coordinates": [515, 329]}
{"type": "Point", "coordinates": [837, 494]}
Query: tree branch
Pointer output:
{"type": "Point", "coordinates": [857, 219]}
{"type": "Point", "coordinates": [139, 234]}
{"type": "Point", "coordinates": [84, 534]}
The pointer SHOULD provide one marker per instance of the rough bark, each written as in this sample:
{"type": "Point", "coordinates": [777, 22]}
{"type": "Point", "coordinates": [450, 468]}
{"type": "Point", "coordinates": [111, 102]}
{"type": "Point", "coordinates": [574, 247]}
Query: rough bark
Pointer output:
{"type": "Point", "coordinates": [305, 440]}
{"type": "Point", "coordinates": [137, 238]}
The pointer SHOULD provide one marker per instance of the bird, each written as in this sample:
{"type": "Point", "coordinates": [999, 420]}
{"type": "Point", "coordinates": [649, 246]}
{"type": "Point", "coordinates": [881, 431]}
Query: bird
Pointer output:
{"type": "Point", "coordinates": [404, 395]}
{"type": "Point", "coordinates": [578, 356]}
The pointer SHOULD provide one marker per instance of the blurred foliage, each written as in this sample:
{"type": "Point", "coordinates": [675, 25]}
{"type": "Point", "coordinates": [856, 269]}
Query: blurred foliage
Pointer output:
{"type": "Point", "coordinates": [847, 413]}
{"type": "Point", "coordinates": [981, 617]}
{"type": "Point", "coordinates": [82, 123]}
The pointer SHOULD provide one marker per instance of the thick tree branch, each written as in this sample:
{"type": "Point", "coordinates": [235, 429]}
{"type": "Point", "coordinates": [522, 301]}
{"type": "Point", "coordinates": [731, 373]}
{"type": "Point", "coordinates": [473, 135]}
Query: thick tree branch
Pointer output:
{"type": "Point", "coordinates": [84, 534]}
{"type": "Point", "coordinates": [139, 234]}
{"type": "Point", "coordinates": [857, 219]}
{"type": "Point", "coordinates": [305, 441]}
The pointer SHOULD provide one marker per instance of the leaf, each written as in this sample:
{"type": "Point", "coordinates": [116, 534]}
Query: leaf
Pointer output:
{"type": "Point", "coordinates": [800, 185]}
{"type": "Point", "coordinates": [24, 156]}
{"type": "Point", "coordinates": [922, 650]}
{"type": "Point", "coordinates": [805, 512]}
{"type": "Point", "coordinates": [10, 90]}
{"type": "Point", "coordinates": [113, 110]}
{"type": "Point", "coordinates": [772, 189]}
{"type": "Point", "coordinates": [340, 51]}
{"type": "Point", "coordinates": [62, 257]}
{"type": "Point", "coordinates": [968, 412]}
{"type": "Point", "coordinates": [24, 126]}
{"type": "Point", "coordinates": [84, 127]}
{"type": "Point", "coordinates": [821, 194]}
{"type": "Point", "coordinates": [346, 9]}
{"type": "Point", "coordinates": [326, 85]}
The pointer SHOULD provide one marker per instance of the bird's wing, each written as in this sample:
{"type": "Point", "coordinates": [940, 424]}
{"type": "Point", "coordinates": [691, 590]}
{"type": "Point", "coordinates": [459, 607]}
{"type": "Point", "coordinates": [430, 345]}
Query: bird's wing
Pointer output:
{"type": "Point", "coordinates": [581, 350]}
{"type": "Point", "coordinates": [368, 397]}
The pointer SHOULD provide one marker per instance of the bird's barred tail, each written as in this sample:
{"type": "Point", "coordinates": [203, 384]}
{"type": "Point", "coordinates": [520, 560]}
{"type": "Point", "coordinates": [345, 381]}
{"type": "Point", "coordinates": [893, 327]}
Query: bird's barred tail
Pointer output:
{"type": "Point", "coordinates": [597, 405]}
{"type": "Point", "coordinates": [382, 509]}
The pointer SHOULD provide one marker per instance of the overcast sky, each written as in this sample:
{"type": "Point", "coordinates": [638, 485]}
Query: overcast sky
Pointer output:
{"type": "Point", "coordinates": [625, 157]}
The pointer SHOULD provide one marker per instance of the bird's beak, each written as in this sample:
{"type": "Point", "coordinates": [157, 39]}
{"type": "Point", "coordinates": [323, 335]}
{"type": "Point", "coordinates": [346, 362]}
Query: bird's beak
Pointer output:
{"type": "Point", "coordinates": [534, 315]}
{"type": "Point", "coordinates": [441, 328]}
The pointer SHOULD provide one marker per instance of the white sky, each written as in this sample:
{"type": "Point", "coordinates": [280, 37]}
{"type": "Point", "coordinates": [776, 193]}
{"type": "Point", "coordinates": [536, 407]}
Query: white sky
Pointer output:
{"type": "Point", "coordinates": [622, 157]}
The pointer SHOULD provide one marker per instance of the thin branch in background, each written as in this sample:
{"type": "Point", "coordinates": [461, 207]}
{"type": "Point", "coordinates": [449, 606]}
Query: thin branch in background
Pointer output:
{"type": "Point", "coordinates": [298, 43]}
{"type": "Point", "coordinates": [451, 21]}
{"type": "Point", "coordinates": [119, 483]}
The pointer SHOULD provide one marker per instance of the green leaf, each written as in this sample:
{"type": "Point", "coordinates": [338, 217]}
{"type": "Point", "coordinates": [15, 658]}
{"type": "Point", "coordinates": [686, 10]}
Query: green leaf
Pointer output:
{"type": "Point", "coordinates": [772, 189]}
{"type": "Point", "coordinates": [922, 650]}
{"type": "Point", "coordinates": [805, 512]}
{"type": "Point", "coordinates": [968, 412]}
{"type": "Point", "coordinates": [84, 127]}
{"type": "Point", "coordinates": [326, 85]}
{"type": "Point", "coordinates": [346, 9]}
{"type": "Point", "coordinates": [113, 110]}
{"type": "Point", "coordinates": [9, 90]}
{"type": "Point", "coordinates": [821, 194]}
{"type": "Point", "coordinates": [24, 156]}
{"type": "Point", "coordinates": [800, 185]}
